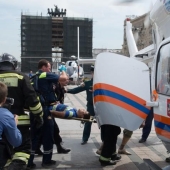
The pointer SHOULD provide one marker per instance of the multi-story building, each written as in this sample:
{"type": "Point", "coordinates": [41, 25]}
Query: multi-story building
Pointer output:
{"type": "Point", "coordinates": [42, 36]}
{"type": "Point", "coordinates": [97, 51]}
{"type": "Point", "coordinates": [141, 31]}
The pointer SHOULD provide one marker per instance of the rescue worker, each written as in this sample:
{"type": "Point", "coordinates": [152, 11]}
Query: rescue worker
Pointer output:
{"type": "Point", "coordinates": [21, 90]}
{"type": "Point", "coordinates": [126, 137]}
{"type": "Point", "coordinates": [46, 79]}
{"type": "Point", "coordinates": [109, 136]}
{"type": "Point", "coordinates": [147, 124]}
{"type": "Point", "coordinates": [10, 135]}
{"type": "Point", "coordinates": [87, 85]}
{"type": "Point", "coordinates": [59, 91]}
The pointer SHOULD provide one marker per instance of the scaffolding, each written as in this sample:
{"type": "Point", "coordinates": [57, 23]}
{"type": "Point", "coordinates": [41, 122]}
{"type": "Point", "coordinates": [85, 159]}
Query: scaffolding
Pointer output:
{"type": "Point", "coordinates": [40, 35]}
{"type": "Point", "coordinates": [35, 41]}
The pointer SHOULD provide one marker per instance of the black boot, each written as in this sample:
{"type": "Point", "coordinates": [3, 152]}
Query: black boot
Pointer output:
{"type": "Point", "coordinates": [115, 157]}
{"type": "Point", "coordinates": [61, 149]}
{"type": "Point", "coordinates": [107, 163]}
{"type": "Point", "coordinates": [17, 165]}
{"type": "Point", "coordinates": [32, 166]}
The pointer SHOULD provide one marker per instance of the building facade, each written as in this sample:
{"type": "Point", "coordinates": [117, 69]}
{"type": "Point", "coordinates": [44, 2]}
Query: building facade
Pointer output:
{"type": "Point", "coordinates": [141, 31]}
{"type": "Point", "coordinates": [42, 36]}
{"type": "Point", "coordinates": [36, 41]}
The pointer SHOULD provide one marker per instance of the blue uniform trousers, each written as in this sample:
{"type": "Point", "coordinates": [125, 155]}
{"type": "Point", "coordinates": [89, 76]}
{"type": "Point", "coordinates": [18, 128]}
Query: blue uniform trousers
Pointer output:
{"type": "Point", "coordinates": [57, 137]}
{"type": "Point", "coordinates": [48, 135]}
{"type": "Point", "coordinates": [36, 137]}
{"type": "Point", "coordinates": [148, 125]}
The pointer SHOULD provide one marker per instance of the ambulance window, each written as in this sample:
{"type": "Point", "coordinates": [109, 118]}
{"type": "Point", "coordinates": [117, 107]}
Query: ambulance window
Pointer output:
{"type": "Point", "coordinates": [163, 70]}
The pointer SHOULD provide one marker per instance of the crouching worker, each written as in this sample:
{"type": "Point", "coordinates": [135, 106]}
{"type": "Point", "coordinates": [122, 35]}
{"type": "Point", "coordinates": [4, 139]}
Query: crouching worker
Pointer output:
{"type": "Point", "coordinates": [9, 133]}
{"type": "Point", "coordinates": [65, 112]}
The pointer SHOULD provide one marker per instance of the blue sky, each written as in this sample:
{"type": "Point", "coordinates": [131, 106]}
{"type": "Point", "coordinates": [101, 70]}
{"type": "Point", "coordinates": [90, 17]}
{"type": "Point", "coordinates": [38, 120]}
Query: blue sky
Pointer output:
{"type": "Point", "coordinates": [108, 19]}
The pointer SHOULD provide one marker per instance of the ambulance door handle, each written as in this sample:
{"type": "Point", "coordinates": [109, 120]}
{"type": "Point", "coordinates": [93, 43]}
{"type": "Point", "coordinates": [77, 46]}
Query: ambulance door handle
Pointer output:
{"type": "Point", "coordinates": [152, 104]}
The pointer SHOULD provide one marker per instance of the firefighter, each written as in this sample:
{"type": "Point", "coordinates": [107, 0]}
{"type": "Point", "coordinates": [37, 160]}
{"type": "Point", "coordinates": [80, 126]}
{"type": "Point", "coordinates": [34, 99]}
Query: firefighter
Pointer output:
{"type": "Point", "coordinates": [20, 88]}
{"type": "Point", "coordinates": [109, 137]}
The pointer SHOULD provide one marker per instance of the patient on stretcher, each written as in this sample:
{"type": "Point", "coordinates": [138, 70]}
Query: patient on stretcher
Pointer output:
{"type": "Point", "coordinates": [67, 112]}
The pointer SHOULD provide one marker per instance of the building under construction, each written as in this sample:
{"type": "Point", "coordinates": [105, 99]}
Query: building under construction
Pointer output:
{"type": "Point", "coordinates": [56, 35]}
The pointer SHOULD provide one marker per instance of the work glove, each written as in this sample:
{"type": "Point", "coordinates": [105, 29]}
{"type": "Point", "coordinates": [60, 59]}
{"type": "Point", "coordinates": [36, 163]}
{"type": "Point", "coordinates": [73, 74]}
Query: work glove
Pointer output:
{"type": "Point", "coordinates": [38, 121]}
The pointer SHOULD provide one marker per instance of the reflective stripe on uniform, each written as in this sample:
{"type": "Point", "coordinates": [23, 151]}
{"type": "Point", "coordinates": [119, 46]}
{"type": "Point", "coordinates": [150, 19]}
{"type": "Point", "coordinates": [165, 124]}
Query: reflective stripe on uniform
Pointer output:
{"type": "Point", "coordinates": [36, 109]}
{"type": "Point", "coordinates": [25, 117]}
{"type": "Point", "coordinates": [11, 75]}
{"type": "Point", "coordinates": [7, 163]}
{"type": "Point", "coordinates": [38, 106]}
{"type": "Point", "coordinates": [21, 156]}
{"type": "Point", "coordinates": [104, 159]}
{"type": "Point", "coordinates": [32, 152]}
{"type": "Point", "coordinates": [47, 152]}
{"type": "Point", "coordinates": [43, 75]}
{"type": "Point", "coordinates": [24, 120]}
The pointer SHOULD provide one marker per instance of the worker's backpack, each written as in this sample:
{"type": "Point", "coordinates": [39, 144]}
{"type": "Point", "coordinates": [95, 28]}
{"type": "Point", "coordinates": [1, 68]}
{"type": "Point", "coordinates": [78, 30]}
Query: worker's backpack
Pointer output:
{"type": "Point", "coordinates": [34, 82]}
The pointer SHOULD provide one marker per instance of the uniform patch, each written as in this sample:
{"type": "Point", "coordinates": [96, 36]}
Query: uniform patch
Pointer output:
{"type": "Point", "coordinates": [10, 81]}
